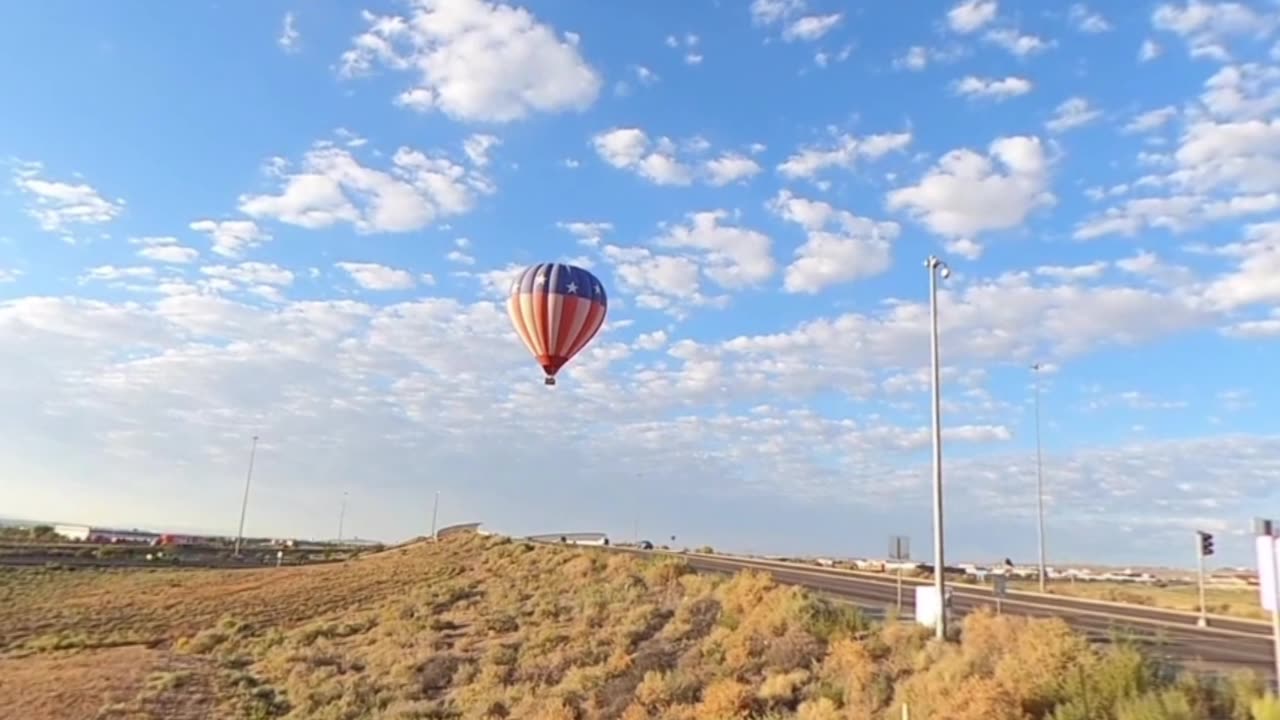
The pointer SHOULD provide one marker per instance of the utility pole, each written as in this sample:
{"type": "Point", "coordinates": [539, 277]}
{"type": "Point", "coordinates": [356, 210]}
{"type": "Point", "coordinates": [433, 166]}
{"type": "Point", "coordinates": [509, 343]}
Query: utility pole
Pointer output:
{"type": "Point", "coordinates": [244, 504]}
{"type": "Point", "coordinates": [1204, 548]}
{"type": "Point", "coordinates": [435, 510]}
{"type": "Point", "coordinates": [1039, 485]}
{"type": "Point", "coordinates": [342, 515]}
{"type": "Point", "coordinates": [937, 268]}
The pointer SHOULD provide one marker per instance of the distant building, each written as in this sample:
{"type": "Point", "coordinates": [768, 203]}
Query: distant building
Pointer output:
{"type": "Point", "coordinates": [78, 533]}
{"type": "Point", "coordinates": [578, 538]}
{"type": "Point", "coordinates": [88, 533]}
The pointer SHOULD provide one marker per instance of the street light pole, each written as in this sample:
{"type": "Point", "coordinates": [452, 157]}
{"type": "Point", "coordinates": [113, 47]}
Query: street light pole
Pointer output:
{"type": "Point", "coordinates": [244, 504]}
{"type": "Point", "coordinates": [1039, 485]}
{"type": "Point", "coordinates": [937, 268]}
{"type": "Point", "coordinates": [435, 510]}
{"type": "Point", "coordinates": [342, 515]}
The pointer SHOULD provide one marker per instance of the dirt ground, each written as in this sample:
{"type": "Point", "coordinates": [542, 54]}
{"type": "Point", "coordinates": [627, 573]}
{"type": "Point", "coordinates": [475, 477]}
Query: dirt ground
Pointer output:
{"type": "Point", "coordinates": [119, 683]}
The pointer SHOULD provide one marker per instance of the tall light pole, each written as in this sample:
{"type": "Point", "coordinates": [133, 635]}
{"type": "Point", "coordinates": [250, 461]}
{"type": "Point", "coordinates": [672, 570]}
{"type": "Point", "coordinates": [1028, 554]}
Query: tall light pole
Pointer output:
{"type": "Point", "coordinates": [1039, 483]}
{"type": "Point", "coordinates": [937, 268]}
{"type": "Point", "coordinates": [435, 510]}
{"type": "Point", "coordinates": [244, 504]}
{"type": "Point", "coordinates": [342, 515]}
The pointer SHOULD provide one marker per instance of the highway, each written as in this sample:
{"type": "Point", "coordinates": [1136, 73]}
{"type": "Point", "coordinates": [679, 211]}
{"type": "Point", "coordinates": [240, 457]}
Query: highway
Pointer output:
{"type": "Point", "coordinates": [1227, 643]}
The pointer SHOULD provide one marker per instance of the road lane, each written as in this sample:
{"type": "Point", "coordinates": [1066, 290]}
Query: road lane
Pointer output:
{"type": "Point", "coordinates": [1172, 635]}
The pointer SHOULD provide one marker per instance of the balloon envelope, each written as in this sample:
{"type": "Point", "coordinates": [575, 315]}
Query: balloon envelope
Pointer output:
{"type": "Point", "coordinates": [556, 310]}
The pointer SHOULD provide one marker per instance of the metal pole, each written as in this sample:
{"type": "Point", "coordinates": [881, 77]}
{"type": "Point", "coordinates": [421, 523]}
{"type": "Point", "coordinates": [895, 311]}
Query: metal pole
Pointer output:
{"type": "Point", "coordinates": [342, 515]}
{"type": "Point", "coordinates": [1039, 485]}
{"type": "Point", "coordinates": [244, 504]}
{"type": "Point", "coordinates": [435, 509]}
{"type": "Point", "coordinates": [1204, 617]}
{"type": "Point", "coordinates": [939, 563]}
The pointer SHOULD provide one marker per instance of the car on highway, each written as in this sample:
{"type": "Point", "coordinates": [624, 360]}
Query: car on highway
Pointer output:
{"type": "Point", "coordinates": [645, 545]}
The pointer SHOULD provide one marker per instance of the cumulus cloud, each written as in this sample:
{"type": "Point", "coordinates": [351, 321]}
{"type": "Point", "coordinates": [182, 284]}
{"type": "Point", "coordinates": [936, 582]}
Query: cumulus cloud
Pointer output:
{"type": "Point", "coordinates": [662, 162]}
{"type": "Point", "coordinates": [476, 60]}
{"type": "Point", "coordinates": [733, 256]}
{"type": "Point", "coordinates": [1072, 113]}
{"type": "Point", "coordinates": [966, 193]}
{"type": "Point", "coordinates": [372, 276]}
{"type": "Point", "coordinates": [57, 205]}
{"type": "Point", "coordinates": [839, 245]}
{"type": "Point", "coordinates": [290, 39]}
{"type": "Point", "coordinates": [970, 15]}
{"type": "Point", "coordinates": [332, 186]}
{"type": "Point", "coordinates": [843, 151]}
{"type": "Point", "coordinates": [231, 238]}
{"type": "Point", "coordinates": [166, 250]}
{"type": "Point", "coordinates": [795, 19]}
{"type": "Point", "coordinates": [997, 89]}
{"type": "Point", "coordinates": [1086, 20]}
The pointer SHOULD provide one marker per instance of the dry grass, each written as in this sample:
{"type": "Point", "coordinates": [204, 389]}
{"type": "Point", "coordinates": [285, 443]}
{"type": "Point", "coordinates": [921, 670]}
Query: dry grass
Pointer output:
{"type": "Point", "coordinates": [476, 628]}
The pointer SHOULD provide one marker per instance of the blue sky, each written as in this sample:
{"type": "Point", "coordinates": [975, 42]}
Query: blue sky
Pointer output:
{"type": "Point", "coordinates": [299, 220]}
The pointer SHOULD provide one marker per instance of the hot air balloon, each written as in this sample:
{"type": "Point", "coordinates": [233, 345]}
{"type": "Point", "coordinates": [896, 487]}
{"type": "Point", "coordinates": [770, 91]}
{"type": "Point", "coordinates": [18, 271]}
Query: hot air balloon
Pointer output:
{"type": "Point", "coordinates": [556, 310]}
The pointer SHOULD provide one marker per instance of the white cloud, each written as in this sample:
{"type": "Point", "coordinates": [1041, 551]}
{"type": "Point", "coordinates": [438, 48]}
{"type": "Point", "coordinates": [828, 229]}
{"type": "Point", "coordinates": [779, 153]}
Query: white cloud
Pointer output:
{"type": "Point", "coordinates": [460, 257]}
{"type": "Point", "coordinates": [659, 282]}
{"type": "Point", "coordinates": [290, 39]}
{"type": "Point", "coordinates": [1150, 50]}
{"type": "Point", "coordinates": [477, 60]}
{"type": "Point", "coordinates": [333, 187]}
{"type": "Point", "coordinates": [477, 148]}
{"type": "Point", "coordinates": [1085, 20]}
{"type": "Point", "coordinates": [733, 256]}
{"type": "Point", "coordinates": [644, 75]}
{"type": "Point", "coordinates": [112, 273]}
{"type": "Point", "coordinates": [1206, 26]}
{"type": "Point", "coordinates": [843, 152]}
{"type": "Point", "coordinates": [251, 273]}
{"type": "Point", "coordinates": [796, 23]}
{"type": "Point", "coordinates": [165, 249]}
{"type": "Point", "coordinates": [631, 149]}
{"type": "Point", "coordinates": [998, 89]}
{"type": "Point", "coordinates": [8, 275]}
{"type": "Point", "coordinates": [1017, 43]}
{"type": "Point", "coordinates": [1151, 120]}
{"type": "Point", "coordinates": [1072, 113]}
{"type": "Point", "coordinates": [1073, 273]}
{"type": "Point", "coordinates": [970, 15]}
{"type": "Point", "coordinates": [811, 27]}
{"type": "Point", "coordinates": [231, 238]}
{"type": "Point", "coordinates": [730, 168]}
{"type": "Point", "coordinates": [840, 246]}
{"type": "Point", "coordinates": [588, 233]}
{"type": "Point", "coordinates": [57, 205]}
{"type": "Point", "coordinates": [652, 340]}
{"type": "Point", "coordinates": [918, 57]}
{"type": "Point", "coordinates": [372, 276]}
{"type": "Point", "coordinates": [658, 160]}
{"type": "Point", "coordinates": [966, 194]}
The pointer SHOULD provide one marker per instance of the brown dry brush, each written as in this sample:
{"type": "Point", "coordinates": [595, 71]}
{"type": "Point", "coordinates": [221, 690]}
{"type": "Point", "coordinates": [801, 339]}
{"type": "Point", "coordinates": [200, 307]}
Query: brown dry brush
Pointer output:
{"type": "Point", "coordinates": [485, 628]}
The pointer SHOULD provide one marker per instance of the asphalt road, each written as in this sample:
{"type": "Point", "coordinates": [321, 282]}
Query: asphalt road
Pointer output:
{"type": "Point", "coordinates": [1225, 644]}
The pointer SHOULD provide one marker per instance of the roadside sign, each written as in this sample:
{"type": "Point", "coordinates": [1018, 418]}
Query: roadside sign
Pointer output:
{"type": "Point", "coordinates": [999, 585]}
{"type": "Point", "coordinates": [899, 547]}
{"type": "Point", "coordinates": [1266, 550]}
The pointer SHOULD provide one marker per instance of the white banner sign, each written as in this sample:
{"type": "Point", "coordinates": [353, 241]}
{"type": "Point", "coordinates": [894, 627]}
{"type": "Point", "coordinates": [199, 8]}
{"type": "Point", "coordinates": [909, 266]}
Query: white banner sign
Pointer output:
{"type": "Point", "coordinates": [1267, 549]}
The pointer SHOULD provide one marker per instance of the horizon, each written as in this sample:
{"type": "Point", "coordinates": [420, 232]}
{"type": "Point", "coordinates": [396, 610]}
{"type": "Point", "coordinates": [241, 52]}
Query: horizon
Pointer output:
{"type": "Point", "coordinates": [302, 222]}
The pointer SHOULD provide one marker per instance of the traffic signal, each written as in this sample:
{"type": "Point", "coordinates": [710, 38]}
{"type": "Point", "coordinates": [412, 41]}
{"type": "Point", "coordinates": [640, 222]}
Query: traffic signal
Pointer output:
{"type": "Point", "coordinates": [1206, 543]}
